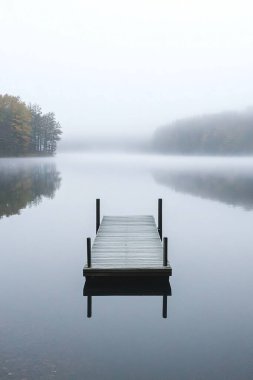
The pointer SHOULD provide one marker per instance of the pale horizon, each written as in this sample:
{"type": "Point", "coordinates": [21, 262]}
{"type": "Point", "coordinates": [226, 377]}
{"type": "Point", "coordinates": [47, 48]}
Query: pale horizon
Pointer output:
{"type": "Point", "coordinates": [127, 67]}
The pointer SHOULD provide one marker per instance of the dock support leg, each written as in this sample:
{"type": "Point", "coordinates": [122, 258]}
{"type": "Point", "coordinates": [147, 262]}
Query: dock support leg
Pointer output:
{"type": "Point", "coordinates": [165, 252]}
{"type": "Point", "coordinates": [97, 214]}
{"type": "Point", "coordinates": [164, 306]}
{"type": "Point", "coordinates": [88, 253]}
{"type": "Point", "coordinates": [160, 217]}
{"type": "Point", "coordinates": [89, 306]}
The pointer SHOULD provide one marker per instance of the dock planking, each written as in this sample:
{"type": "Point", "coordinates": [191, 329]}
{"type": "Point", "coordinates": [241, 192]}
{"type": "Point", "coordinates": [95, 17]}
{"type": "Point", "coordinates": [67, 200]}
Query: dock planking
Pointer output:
{"type": "Point", "coordinates": [127, 246]}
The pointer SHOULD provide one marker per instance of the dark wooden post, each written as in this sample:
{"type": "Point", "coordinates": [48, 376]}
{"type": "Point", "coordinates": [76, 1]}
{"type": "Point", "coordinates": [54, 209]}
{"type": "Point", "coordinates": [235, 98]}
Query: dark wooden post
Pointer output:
{"type": "Point", "coordinates": [97, 214]}
{"type": "Point", "coordinates": [160, 217]}
{"type": "Point", "coordinates": [88, 253]}
{"type": "Point", "coordinates": [164, 306]}
{"type": "Point", "coordinates": [165, 252]}
{"type": "Point", "coordinates": [89, 306]}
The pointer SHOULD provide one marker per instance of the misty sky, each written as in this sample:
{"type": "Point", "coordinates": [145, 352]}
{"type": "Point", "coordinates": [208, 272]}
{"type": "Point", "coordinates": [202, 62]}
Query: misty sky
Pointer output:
{"type": "Point", "coordinates": [127, 66]}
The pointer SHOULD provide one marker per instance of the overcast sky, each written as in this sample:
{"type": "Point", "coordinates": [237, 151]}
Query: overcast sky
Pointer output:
{"type": "Point", "coordinates": [127, 66]}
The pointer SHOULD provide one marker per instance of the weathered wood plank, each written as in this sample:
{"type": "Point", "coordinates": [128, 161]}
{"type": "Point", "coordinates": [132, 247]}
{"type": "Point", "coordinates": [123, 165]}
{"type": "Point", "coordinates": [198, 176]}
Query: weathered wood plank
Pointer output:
{"type": "Point", "coordinates": [127, 245]}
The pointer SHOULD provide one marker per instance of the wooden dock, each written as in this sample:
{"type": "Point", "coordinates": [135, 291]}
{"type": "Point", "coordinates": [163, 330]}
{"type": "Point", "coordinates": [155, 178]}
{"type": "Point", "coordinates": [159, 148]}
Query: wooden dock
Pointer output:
{"type": "Point", "coordinates": [128, 246]}
{"type": "Point", "coordinates": [129, 257]}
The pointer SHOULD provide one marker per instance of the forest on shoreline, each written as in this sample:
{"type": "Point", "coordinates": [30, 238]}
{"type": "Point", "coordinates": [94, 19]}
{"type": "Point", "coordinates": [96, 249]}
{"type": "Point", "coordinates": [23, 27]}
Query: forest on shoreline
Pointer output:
{"type": "Point", "coordinates": [25, 130]}
{"type": "Point", "coordinates": [226, 133]}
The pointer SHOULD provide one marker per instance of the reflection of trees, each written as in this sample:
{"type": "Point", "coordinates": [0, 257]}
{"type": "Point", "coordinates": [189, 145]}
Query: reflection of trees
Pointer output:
{"type": "Point", "coordinates": [23, 185]}
{"type": "Point", "coordinates": [231, 187]}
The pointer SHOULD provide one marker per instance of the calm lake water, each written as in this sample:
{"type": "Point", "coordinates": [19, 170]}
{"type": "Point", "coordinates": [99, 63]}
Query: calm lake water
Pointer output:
{"type": "Point", "coordinates": [47, 209]}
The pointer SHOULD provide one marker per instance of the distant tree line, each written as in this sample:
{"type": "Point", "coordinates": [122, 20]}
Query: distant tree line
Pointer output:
{"type": "Point", "coordinates": [226, 133]}
{"type": "Point", "coordinates": [25, 130]}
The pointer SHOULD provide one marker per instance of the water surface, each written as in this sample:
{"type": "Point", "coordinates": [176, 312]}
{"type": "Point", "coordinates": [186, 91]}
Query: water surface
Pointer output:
{"type": "Point", "coordinates": [47, 209]}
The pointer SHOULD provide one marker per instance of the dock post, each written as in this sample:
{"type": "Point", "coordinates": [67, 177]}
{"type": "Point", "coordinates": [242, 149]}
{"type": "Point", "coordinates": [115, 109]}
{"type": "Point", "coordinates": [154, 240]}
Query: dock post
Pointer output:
{"type": "Point", "coordinates": [97, 214]}
{"type": "Point", "coordinates": [164, 306]}
{"type": "Point", "coordinates": [160, 217]}
{"type": "Point", "coordinates": [89, 306]}
{"type": "Point", "coordinates": [165, 252]}
{"type": "Point", "coordinates": [88, 253]}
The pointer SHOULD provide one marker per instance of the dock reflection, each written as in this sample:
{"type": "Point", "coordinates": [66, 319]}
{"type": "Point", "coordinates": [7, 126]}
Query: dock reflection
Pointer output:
{"type": "Point", "coordinates": [129, 286]}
